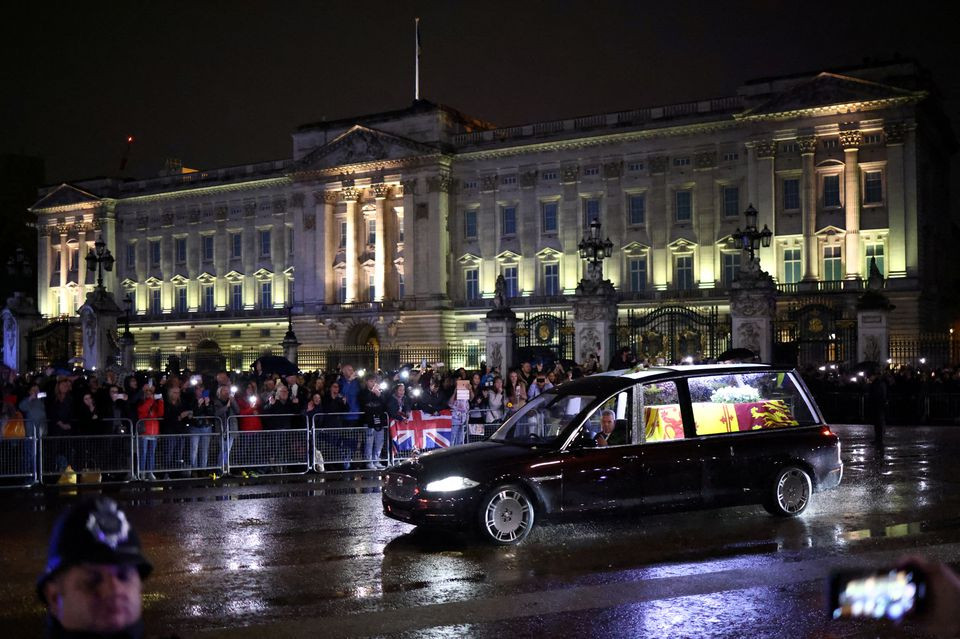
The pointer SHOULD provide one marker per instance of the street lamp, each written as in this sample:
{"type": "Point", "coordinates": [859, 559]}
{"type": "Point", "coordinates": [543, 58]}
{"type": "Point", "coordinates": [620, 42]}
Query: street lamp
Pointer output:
{"type": "Point", "coordinates": [592, 248]}
{"type": "Point", "coordinates": [750, 239]}
{"type": "Point", "coordinates": [99, 259]}
{"type": "Point", "coordinates": [127, 305]}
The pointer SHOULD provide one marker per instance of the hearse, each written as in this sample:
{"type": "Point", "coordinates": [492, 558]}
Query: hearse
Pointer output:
{"type": "Point", "coordinates": [665, 437]}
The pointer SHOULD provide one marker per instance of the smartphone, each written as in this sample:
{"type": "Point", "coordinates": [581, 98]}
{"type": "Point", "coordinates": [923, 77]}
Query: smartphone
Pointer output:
{"type": "Point", "coordinates": [883, 594]}
{"type": "Point", "coordinates": [41, 395]}
{"type": "Point", "coordinates": [205, 393]}
{"type": "Point", "coordinates": [158, 396]}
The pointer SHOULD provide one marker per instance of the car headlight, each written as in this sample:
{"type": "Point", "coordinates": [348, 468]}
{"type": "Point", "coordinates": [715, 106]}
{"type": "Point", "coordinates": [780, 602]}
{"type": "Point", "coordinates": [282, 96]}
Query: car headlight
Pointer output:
{"type": "Point", "coordinates": [450, 484]}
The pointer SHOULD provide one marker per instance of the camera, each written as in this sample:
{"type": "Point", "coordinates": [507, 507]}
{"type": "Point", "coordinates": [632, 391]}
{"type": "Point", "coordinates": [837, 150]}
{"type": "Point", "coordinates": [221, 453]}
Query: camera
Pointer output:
{"type": "Point", "coordinates": [883, 594]}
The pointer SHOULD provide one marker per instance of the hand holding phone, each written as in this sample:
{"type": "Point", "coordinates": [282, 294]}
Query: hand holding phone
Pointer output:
{"type": "Point", "coordinates": [41, 395]}
{"type": "Point", "coordinates": [883, 594]}
{"type": "Point", "coordinates": [158, 396]}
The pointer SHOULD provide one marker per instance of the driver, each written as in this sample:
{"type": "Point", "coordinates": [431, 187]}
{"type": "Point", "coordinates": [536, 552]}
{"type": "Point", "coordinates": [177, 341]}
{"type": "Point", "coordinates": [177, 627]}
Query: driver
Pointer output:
{"type": "Point", "coordinates": [608, 435]}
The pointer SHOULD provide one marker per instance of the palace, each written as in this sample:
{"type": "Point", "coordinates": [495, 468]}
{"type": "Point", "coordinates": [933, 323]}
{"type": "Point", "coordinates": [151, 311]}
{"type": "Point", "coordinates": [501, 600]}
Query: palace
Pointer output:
{"type": "Point", "coordinates": [391, 229]}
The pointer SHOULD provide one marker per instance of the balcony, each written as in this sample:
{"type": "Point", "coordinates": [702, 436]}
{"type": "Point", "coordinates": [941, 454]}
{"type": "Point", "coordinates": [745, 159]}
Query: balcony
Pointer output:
{"type": "Point", "coordinates": [226, 314]}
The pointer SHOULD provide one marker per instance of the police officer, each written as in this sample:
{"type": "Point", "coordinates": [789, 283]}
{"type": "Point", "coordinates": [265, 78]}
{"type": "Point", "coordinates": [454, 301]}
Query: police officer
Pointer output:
{"type": "Point", "coordinates": [92, 584]}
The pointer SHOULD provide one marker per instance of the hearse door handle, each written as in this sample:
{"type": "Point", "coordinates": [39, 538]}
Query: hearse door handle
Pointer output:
{"type": "Point", "coordinates": [631, 457]}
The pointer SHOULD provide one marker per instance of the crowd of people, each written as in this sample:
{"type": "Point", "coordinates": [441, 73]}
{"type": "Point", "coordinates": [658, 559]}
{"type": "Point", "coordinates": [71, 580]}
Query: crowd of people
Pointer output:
{"type": "Point", "coordinates": [58, 405]}
{"type": "Point", "coordinates": [351, 408]}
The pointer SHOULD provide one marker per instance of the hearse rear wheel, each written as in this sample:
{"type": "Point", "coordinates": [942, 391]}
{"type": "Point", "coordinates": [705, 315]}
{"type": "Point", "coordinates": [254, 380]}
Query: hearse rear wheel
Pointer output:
{"type": "Point", "coordinates": [790, 492]}
{"type": "Point", "coordinates": [506, 515]}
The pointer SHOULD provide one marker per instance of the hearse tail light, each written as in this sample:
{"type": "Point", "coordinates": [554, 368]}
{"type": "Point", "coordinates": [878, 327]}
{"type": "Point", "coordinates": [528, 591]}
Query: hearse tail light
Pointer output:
{"type": "Point", "coordinates": [826, 432]}
{"type": "Point", "coordinates": [450, 484]}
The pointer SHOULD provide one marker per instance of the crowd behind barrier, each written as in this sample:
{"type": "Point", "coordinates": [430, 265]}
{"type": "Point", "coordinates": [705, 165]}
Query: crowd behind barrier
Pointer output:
{"type": "Point", "coordinates": [59, 425]}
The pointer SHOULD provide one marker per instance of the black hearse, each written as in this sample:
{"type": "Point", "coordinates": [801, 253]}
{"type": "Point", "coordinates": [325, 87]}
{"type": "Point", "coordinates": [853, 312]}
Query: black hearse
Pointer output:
{"type": "Point", "coordinates": [684, 436]}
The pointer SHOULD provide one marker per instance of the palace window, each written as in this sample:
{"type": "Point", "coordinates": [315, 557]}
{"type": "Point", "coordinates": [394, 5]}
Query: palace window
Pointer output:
{"type": "Point", "coordinates": [831, 190]}
{"type": "Point", "coordinates": [264, 236]}
{"type": "Point", "coordinates": [371, 287]}
{"type": "Point", "coordinates": [156, 307]}
{"type": "Point", "coordinates": [371, 231]}
{"type": "Point", "coordinates": [637, 207]}
{"type": "Point", "coordinates": [131, 255]}
{"type": "Point", "coordinates": [472, 281]}
{"type": "Point", "coordinates": [206, 298]}
{"type": "Point", "coordinates": [181, 306]}
{"type": "Point", "coordinates": [731, 264]}
{"type": "Point", "coordinates": [549, 176]}
{"type": "Point", "coordinates": [342, 290]}
{"type": "Point", "coordinates": [508, 217]}
{"type": "Point", "coordinates": [470, 224]}
{"type": "Point", "coordinates": [343, 234]}
{"type": "Point", "coordinates": [510, 288]}
{"type": "Point", "coordinates": [731, 156]}
{"type": "Point", "coordinates": [791, 265]}
{"type": "Point", "coordinates": [180, 249]}
{"type": "Point", "coordinates": [591, 211]}
{"type": "Point", "coordinates": [791, 194]}
{"type": "Point", "coordinates": [132, 294]}
{"type": "Point", "coordinates": [591, 171]}
{"type": "Point", "coordinates": [731, 201]}
{"type": "Point", "coordinates": [154, 252]}
{"type": "Point", "coordinates": [74, 259]}
{"type": "Point", "coordinates": [236, 296]}
{"type": "Point", "coordinates": [206, 247]}
{"type": "Point", "coordinates": [683, 206]}
{"type": "Point", "coordinates": [637, 267]}
{"type": "Point", "coordinates": [266, 295]}
{"type": "Point", "coordinates": [873, 187]}
{"type": "Point", "coordinates": [236, 245]}
{"type": "Point", "coordinates": [551, 279]}
{"type": "Point", "coordinates": [400, 285]}
{"type": "Point", "coordinates": [633, 167]}
{"type": "Point", "coordinates": [832, 264]}
{"type": "Point", "coordinates": [399, 228]}
{"type": "Point", "coordinates": [548, 211]}
{"type": "Point", "coordinates": [684, 272]}
{"type": "Point", "coordinates": [684, 161]}
{"type": "Point", "coordinates": [874, 252]}
{"type": "Point", "coordinates": [56, 261]}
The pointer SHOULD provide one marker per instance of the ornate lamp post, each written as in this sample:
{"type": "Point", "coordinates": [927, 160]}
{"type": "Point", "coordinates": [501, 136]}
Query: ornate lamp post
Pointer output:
{"type": "Point", "coordinates": [594, 251]}
{"type": "Point", "coordinates": [127, 305]}
{"type": "Point", "coordinates": [750, 239]}
{"type": "Point", "coordinates": [99, 259]}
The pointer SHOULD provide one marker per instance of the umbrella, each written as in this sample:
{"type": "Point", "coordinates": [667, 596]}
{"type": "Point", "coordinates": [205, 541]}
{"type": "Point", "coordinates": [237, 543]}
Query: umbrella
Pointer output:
{"type": "Point", "coordinates": [737, 355]}
{"type": "Point", "coordinates": [270, 364]}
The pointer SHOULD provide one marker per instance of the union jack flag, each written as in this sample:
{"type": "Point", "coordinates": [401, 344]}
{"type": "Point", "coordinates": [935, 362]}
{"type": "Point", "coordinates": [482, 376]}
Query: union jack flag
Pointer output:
{"type": "Point", "coordinates": [422, 431]}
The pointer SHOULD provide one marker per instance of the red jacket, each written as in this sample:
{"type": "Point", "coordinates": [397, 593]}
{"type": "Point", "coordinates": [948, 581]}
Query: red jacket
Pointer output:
{"type": "Point", "coordinates": [150, 411]}
{"type": "Point", "coordinates": [247, 423]}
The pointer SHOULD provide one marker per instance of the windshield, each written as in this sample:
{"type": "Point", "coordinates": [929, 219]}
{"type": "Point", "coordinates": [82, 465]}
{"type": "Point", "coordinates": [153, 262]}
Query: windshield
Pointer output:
{"type": "Point", "coordinates": [542, 419]}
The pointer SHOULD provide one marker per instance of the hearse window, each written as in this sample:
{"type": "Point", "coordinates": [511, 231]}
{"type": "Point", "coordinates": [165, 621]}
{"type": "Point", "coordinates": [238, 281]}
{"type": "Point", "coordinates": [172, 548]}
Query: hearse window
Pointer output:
{"type": "Point", "coordinates": [739, 402]}
{"type": "Point", "coordinates": [660, 408]}
{"type": "Point", "coordinates": [622, 407]}
{"type": "Point", "coordinates": [542, 419]}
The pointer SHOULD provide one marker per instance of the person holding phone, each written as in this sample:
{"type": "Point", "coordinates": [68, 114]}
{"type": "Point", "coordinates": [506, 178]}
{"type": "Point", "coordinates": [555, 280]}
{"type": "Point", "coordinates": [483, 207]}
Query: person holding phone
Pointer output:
{"type": "Point", "coordinates": [149, 412]}
{"type": "Point", "coordinates": [176, 418]}
{"type": "Point", "coordinates": [200, 428]}
{"type": "Point", "coordinates": [34, 412]}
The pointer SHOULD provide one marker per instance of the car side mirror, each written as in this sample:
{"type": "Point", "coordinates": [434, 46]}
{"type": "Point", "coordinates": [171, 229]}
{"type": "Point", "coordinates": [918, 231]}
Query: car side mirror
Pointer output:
{"type": "Point", "coordinates": [584, 440]}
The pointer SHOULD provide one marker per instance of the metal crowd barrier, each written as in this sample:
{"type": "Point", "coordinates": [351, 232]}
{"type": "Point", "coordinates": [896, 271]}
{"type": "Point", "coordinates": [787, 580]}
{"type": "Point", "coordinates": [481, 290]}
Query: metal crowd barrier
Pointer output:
{"type": "Point", "coordinates": [111, 457]}
{"type": "Point", "coordinates": [321, 442]}
{"type": "Point", "coordinates": [337, 447]}
{"type": "Point", "coordinates": [270, 450]}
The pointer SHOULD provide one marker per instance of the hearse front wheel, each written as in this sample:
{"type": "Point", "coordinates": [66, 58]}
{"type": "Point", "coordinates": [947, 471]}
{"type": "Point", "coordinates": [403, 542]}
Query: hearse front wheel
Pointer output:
{"type": "Point", "coordinates": [790, 492]}
{"type": "Point", "coordinates": [506, 515]}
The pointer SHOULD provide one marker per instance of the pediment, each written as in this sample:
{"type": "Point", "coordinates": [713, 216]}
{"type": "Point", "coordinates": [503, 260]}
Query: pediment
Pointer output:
{"type": "Point", "coordinates": [830, 90]}
{"type": "Point", "coordinates": [233, 276]}
{"type": "Point", "coordinates": [263, 274]}
{"type": "Point", "coordinates": [362, 145]}
{"type": "Point", "coordinates": [550, 252]}
{"type": "Point", "coordinates": [179, 280]}
{"type": "Point", "coordinates": [508, 256]}
{"type": "Point", "coordinates": [206, 278]}
{"type": "Point", "coordinates": [831, 230]}
{"type": "Point", "coordinates": [635, 248]}
{"type": "Point", "coordinates": [63, 196]}
{"type": "Point", "coordinates": [469, 258]}
{"type": "Point", "coordinates": [682, 239]}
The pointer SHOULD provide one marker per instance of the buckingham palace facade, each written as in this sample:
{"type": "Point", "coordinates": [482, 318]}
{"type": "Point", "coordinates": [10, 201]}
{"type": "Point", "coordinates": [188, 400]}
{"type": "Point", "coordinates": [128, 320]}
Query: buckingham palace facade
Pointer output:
{"type": "Point", "coordinates": [393, 227]}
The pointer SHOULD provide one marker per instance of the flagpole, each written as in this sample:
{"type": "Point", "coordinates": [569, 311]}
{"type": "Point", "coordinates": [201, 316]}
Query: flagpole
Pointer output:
{"type": "Point", "coordinates": [416, 88]}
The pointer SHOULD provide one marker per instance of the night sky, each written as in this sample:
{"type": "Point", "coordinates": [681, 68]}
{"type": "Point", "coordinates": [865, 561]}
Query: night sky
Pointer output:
{"type": "Point", "coordinates": [217, 84]}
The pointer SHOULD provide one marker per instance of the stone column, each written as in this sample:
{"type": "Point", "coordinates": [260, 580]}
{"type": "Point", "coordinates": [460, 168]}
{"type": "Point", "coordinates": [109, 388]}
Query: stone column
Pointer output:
{"type": "Point", "coordinates": [351, 195]}
{"type": "Point", "coordinates": [64, 269]}
{"type": "Point", "coordinates": [82, 253]}
{"type": "Point", "coordinates": [594, 323]}
{"type": "Point", "coordinates": [873, 334]}
{"type": "Point", "coordinates": [43, 268]}
{"type": "Point", "coordinates": [98, 321]}
{"type": "Point", "coordinates": [808, 202]}
{"type": "Point", "coordinates": [19, 317]}
{"type": "Point", "coordinates": [850, 140]}
{"type": "Point", "coordinates": [896, 209]}
{"type": "Point", "coordinates": [380, 192]}
{"type": "Point", "coordinates": [411, 228]}
{"type": "Point", "coordinates": [766, 153]}
{"type": "Point", "coordinates": [501, 323]}
{"type": "Point", "coordinates": [330, 242]}
{"type": "Point", "coordinates": [752, 308]}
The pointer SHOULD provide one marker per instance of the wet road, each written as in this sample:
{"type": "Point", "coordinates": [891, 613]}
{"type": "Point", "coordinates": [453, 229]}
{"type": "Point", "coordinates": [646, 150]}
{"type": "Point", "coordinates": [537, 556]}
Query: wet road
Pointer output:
{"type": "Point", "coordinates": [317, 558]}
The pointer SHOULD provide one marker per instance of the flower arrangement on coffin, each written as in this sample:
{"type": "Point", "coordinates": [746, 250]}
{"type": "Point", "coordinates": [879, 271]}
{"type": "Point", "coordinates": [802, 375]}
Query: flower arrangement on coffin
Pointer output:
{"type": "Point", "coordinates": [735, 395]}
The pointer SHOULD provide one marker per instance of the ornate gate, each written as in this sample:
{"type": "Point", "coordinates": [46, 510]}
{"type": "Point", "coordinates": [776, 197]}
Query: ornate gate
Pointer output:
{"type": "Point", "coordinates": [672, 333]}
{"type": "Point", "coordinates": [57, 342]}
{"type": "Point", "coordinates": [544, 335]}
{"type": "Point", "coordinates": [814, 334]}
